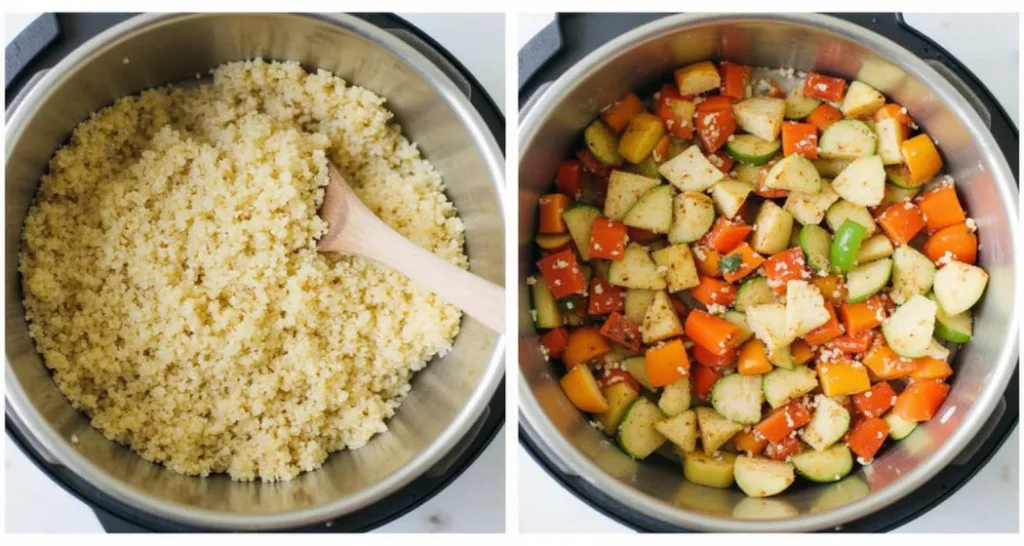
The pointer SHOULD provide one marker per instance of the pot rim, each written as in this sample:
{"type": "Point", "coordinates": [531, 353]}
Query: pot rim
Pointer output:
{"type": "Point", "coordinates": [567, 458]}
{"type": "Point", "coordinates": [56, 449]}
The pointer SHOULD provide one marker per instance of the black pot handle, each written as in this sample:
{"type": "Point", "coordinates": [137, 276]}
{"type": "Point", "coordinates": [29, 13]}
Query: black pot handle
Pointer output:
{"type": "Point", "coordinates": [539, 50]}
{"type": "Point", "coordinates": [30, 42]}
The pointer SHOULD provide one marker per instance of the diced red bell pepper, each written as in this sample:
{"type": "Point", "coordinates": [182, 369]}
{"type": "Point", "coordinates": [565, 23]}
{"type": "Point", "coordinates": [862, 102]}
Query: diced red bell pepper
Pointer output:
{"type": "Point", "coordinates": [554, 341]}
{"type": "Point", "coordinates": [735, 79]}
{"type": "Point", "coordinates": [783, 421]}
{"type": "Point", "coordinates": [800, 138]}
{"type": "Point", "coordinates": [612, 376]}
{"type": "Point", "coordinates": [605, 298]}
{"type": "Point", "coordinates": [761, 188]}
{"type": "Point", "coordinates": [726, 235]}
{"type": "Point", "coordinates": [722, 161]}
{"type": "Point", "coordinates": [569, 180]}
{"type": "Point", "coordinates": [712, 291]}
{"type": "Point", "coordinates": [921, 400]}
{"type": "Point", "coordinates": [715, 128]}
{"type": "Point", "coordinates": [702, 379]}
{"type": "Point", "coordinates": [826, 332]}
{"type": "Point", "coordinates": [875, 401]}
{"type": "Point", "coordinates": [788, 265]}
{"type": "Point", "coordinates": [866, 438]}
{"type": "Point", "coordinates": [824, 87]}
{"type": "Point", "coordinates": [608, 239]}
{"type": "Point", "coordinates": [641, 236]}
{"type": "Point", "coordinates": [562, 272]}
{"type": "Point", "coordinates": [593, 164]}
{"type": "Point", "coordinates": [676, 112]}
{"type": "Point", "coordinates": [712, 360]}
{"type": "Point", "coordinates": [781, 451]}
{"type": "Point", "coordinates": [622, 331]}
{"type": "Point", "coordinates": [856, 344]}
{"type": "Point", "coordinates": [714, 103]}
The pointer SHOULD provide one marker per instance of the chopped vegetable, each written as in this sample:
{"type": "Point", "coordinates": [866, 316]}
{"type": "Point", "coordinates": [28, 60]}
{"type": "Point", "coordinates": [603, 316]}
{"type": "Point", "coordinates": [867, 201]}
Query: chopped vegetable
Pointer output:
{"type": "Point", "coordinates": [711, 291]}
{"type": "Point", "coordinates": [583, 346]}
{"type": "Point", "coordinates": [875, 401]}
{"type": "Point", "coordinates": [555, 341]}
{"type": "Point", "coordinates": [562, 273]}
{"type": "Point", "coordinates": [921, 400]}
{"type": "Point", "coordinates": [552, 206]}
{"type": "Point", "coordinates": [845, 245]}
{"type": "Point", "coordinates": [581, 388]}
{"type": "Point", "coordinates": [703, 379]}
{"type": "Point", "coordinates": [676, 112]}
{"type": "Point", "coordinates": [863, 317]}
{"type": "Point", "coordinates": [608, 239]}
{"type": "Point", "coordinates": [866, 438]}
{"type": "Point", "coordinates": [714, 334]}
{"type": "Point", "coordinates": [641, 136]}
{"type": "Point", "coordinates": [800, 138]}
{"type": "Point", "coordinates": [885, 364]}
{"type": "Point", "coordinates": [748, 262]}
{"type": "Point", "coordinates": [667, 362]}
{"type": "Point", "coordinates": [783, 421]}
{"type": "Point", "coordinates": [715, 128]}
{"type": "Point", "coordinates": [605, 298]}
{"type": "Point", "coordinates": [901, 222]}
{"type": "Point", "coordinates": [697, 78]}
{"type": "Point", "coordinates": [618, 114]}
{"type": "Point", "coordinates": [941, 208]}
{"type": "Point", "coordinates": [921, 157]}
{"type": "Point", "coordinates": [826, 332]}
{"type": "Point", "coordinates": [726, 235]}
{"type": "Point", "coordinates": [569, 180]}
{"type": "Point", "coordinates": [735, 79]}
{"type": "Point", "coordinates": [752, 359]}
{"type": "Point", "coordinates": [958, 240]}
{"type": "Point", "coordinates": [824, 87]}
{"type": "Point", "coordinates": [786, 266]}
{"type": "Point", "coordinates": [824, 115]}
{"type": "Point", "coordinates": [842, 378]}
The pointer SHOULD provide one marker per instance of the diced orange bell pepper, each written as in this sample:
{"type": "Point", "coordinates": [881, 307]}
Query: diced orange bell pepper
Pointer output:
{"type": "Point", "coordinates": [753, 358]}
{"type": "Point", "coordinates": [800, 138]}
{"type": "Point", "coordinates": [824, 87]}
{"type": "Point", "coordinates": [555, 341]}
{"type": "Point", "coordinates": [783, 450]}
{"type": "Point", "coordinates": [852, 345]}
{"type": "Point", "coordinates": [749, 262]}
{"type": "Point", "coordinates": [667, 362]}
{"type": "Point", "coordinates": [618, 114]}
{"type": "Point", "coordinates": [832, 288]}
{"type": "Point", "coordinates": [707, 261]}
{"type": "Point", "coordinates": [867, 437]}
{"type": "Point", "coordinates": [735, 79]}
{"type": "Point", "coordinates": [582, 390]}
{"type": "Point", "coordinates": [714, 334]}
{"type": "Point", "coordinates": [605, 298]}
{"type": "Point", "coordinates": [749, 442]}
{"type": "Point", "coordinates": [562, 272]}
{"type": "Point", "coordinates": [782, 421]}
{"type": "Point", "coordinates": [714, 103]}
{"type": "Point", "coordinates": [826, 332]}
{"type": "Point", "coordinates": [901, 222]}
{"type": "Point", "coordinates": [552, 206]}
{"type": "Point", "coordinates": [660, 151]}
{"type": "Point", "coordinates": [569, 180]}
{"type": "Point", "coordinates": [584, 345]}
{"type": "Point", "coordinates": [921, 157]}
{"type": "Point", "coordinates": [863, 317]}
{"type": "Point", "coordinates": [941, 208]}
{"type": "Point", "coordinates": [608, 239]}
{"type": "Point", "coordinates": [824, 115]}
{"type": "Point", "coordinates": [839, 378]}
{"type": "Point", "coordinates": [801, 352]}
{"type": "Point", "coordinates": [726, 235]}
{"type": "Point", "coordinates": [714, 128]}
{"type": "Point", "coordinates": [788, 265]}
{"type": "Point", "coordinates": [894, 111]}
{"type": "Point", "coordinates": [679, 307]}
{"type": "Point", "coordinates": [959, 240]}
{"type": "Point", "coordinates": [702, 379]}
{"type": "Point", "coordinates": [712, 291]}
{"type": "Point", "coordinates": [928, 367]}
{"type": "Point", "coordinates": [676, 111]}
{"type": "Point", "coordinates": [614, 376]}
{"type": "Point", "coordinates": [921, 400]}
{"type": "Point", "coordinates": [885, 364]}
{"type": "Point", "coordinates": [713, 360]}
{"type": "Point", "coordinates": [875, 401]}
{"type": "Point", "coordinates": [622, 331]}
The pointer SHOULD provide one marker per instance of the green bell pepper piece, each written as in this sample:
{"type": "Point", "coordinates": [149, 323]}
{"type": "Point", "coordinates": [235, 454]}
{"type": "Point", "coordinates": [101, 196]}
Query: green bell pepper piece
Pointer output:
{"type": "Point", "coordinates": [845, 245]}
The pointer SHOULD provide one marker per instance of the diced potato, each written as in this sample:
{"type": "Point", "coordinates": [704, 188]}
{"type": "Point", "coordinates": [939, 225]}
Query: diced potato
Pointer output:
{"type": "Point", "coordinates": [641, 136]}
{"type": "Point", "coordinates": [661, 321]}
{"type": "Point", "coordinates": [681, 271]}
{"type": "Point", "coordinates": [729, 196]}
{"type": "Point", "coordinates": [691, 171]}
{"type": "Point", "coordinates": [624, 189]}
{"type": "Point", "coordinates": [698, 78]}
{"type": "Point", "coordinates": [891, 134]}
{"type": "Point", "coordinates": [772, 229]}
{"type": "Point", "coordinates": [761, 116]}
{"type": "Point", "coordinates": [810, 208]}
{"type": "Point", "coordinates": [861, 100]}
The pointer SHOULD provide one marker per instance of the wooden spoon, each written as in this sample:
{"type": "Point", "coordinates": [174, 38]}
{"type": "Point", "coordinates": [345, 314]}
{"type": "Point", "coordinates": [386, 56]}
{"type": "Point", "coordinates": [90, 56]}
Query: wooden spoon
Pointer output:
{"type": "Point", "coordinates": [354, 229]}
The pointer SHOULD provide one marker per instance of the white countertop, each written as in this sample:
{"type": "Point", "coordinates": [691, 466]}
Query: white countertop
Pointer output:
{"type": "Point", "coordinates": [475, 502]}
{"type": "Point", "coordinates": [990, 502]}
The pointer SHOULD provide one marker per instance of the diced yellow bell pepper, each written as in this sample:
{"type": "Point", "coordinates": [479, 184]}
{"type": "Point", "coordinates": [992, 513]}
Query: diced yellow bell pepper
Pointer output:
{"type": "Point", "coordinates": [839, 378]}
{"type": "Point", "coordinates": [581, 388]}
{"type": "Point", "coordinates": [640, 138]}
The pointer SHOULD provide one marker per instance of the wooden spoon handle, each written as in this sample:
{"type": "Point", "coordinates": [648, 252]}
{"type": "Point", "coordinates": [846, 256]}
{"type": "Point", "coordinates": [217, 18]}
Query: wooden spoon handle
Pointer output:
{"type": "Point", "coordinates": [480, 298]}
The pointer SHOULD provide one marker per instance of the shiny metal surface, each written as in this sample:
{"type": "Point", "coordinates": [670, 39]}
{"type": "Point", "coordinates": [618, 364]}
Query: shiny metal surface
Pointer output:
{"type": "Point", "coordinates": [641, 60]}
{"type": "Point", "coordinates": [447, 398]}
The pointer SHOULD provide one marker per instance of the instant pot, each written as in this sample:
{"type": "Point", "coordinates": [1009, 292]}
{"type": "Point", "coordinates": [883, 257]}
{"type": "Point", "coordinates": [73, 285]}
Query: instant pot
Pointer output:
{"type": "Point", "coordinates": [64, 67]}
{"type": "Point", "coordinates": [583, 62]}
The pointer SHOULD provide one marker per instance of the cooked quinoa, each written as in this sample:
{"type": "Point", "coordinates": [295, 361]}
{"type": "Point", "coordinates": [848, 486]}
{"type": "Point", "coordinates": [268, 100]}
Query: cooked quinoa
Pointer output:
{"type": "Point", "coordinates": [173, 286]}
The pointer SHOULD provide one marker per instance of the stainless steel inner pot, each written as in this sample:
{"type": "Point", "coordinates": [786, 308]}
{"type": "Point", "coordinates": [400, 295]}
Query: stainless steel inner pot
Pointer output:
{"type": "Point", "coordinates": [643, 58]}
{"type": "Point", "coordinates": [447, 398]}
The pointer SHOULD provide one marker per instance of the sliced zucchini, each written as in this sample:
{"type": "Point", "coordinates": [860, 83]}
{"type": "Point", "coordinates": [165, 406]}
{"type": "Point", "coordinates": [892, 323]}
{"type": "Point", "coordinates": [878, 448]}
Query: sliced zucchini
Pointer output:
{"type": "Point", "coordinates": [891, 134]}
{"type": "Point", "coordinates": [805, 308]}
{"type": "Point", "coordinates": [691, 171]}
{"type": "Point", "coordinates": [899, 428]}
{"type": "Point", "coordinates": [816, 243]}
{"type": "Point", "coordinates": [899, 176]}
{"type": "Point", "coordinates": [781, 385]}
{"type": "Point", "coordinates": [844, 210]}
{"type": "Point", "coordinates": [637, 367]}
{"type": "Point", "coordinates": [739, 320]}
{"type": "Point", "coordinates": [738, 398]}
{"type": "Point", "coordinates": [958, 286]}
{"type": "Point", "coordinates": [620, 397]}
{"type": "Point", "coordinates": [636, 270]}
{"type": "Point", "coordinates": [956, 328]}
{"type": "Point", "coordinates": [768, 322]}
{"type": "Point", "coordinates": [759, 477]}
{"type": "Point", "coordinates": [653, 211]}
{"type": "Point", "coordinates": [711, 471]}
{"type": "Point", "coordinates": [715, 430]}
{"type": "Point", "coordinates": [624, 189]}
{"type": "Point", "coordinates": [641, 136]}
{"type": "Point", "coordinates": [847, 139]}
{"type": "Point", "coordinates": [908, 331]}
{"type": "Point", "coordinates": [603, 143]}
{"type": "Point", "coordinates": [896, 194]}
{"type": "Point", "coordinates": [751, 149]}
{"type": "Point", "coordinates": [648, 167]}
{"type": "Point", "coordinates": [637, 435]}
{"type": "Point", "coordinates": [675, 397]}
{"type": "Point", "coordinates": [545, 307]}
{"type": "Point", "coordinates": [867, 280]}
{"type": "Point", "coordinates": [936, 349]}
{"type": "Point", "coordinates": [753, 291]}
{"type": "Point", "coordinates": [681, 430]}
{"type": "Point", "coordinates": [875, 248]}
{"type": "Point", "coordinates": [760, 116]}
{"type": "Point", "coordinates": [830, 465]}
{"type": "Point", "coordinates": [782, 357]}
{"type": "Point", "coordinates": [798, 105]}
{"type": "Point", "coordinates": [830, 168]}
{"type": "Point", "coordinates": [862, 182]}
{"type": "Point", "coordinates": [772, 229]}
{"type": "Point", "coordinates": [692, 216]}
{"type": "Point", "coordinates": [580, 221]}
{"type": "Point", "coordinates": [638, 300]}
{"type": "Point", "coordinates": [729, 196]}
{"type": "Point", "coordinates": [746, 173]}
{"type": "Point", "coordinates": [828, 424]}
{"type": "Point", "coordinates": [861, 100]}
{"type": "Point", "coordinates": [795, 173]}
{"type": "Point", "coordinates": [810, 208]}
{"type": "Point", "coordinates": [681, 271]}
{"type": "Point", "coordinates": [661, 321]}
{"type": "Point", "coordinates": [912, 274]}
